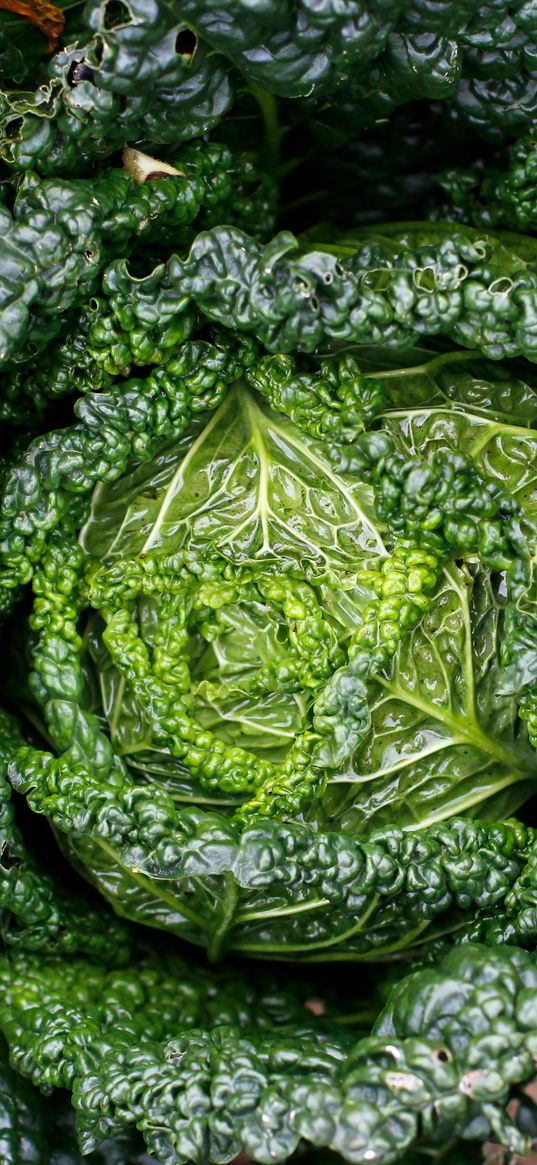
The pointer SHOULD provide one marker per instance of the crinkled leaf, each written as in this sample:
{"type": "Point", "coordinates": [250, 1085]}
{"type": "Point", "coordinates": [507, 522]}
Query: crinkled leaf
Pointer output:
{"type": "Point", "coordinates": [442, 739]}
{"type": "Point", "coordinates": [207, 1091]}
{"type": "Point", "coordinates": [459, 402]}
{"type": "Point", "coordinates": [246, 482]}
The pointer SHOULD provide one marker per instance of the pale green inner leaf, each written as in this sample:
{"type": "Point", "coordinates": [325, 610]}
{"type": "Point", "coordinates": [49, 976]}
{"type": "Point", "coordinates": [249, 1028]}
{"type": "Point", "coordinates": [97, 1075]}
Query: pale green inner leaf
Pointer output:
{"type": "Point", "coordinates": [442, 741]}
{"type": "Point", "coordinates": [251, 486]}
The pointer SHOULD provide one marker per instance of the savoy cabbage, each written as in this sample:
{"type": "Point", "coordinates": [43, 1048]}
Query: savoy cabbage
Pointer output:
{"type": "Point", "coordinates": [268, 547]}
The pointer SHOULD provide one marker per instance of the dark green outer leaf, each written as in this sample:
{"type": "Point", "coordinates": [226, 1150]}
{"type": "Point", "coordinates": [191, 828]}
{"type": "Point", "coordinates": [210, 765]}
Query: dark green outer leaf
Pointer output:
{"type": "Point", "coordinates": [285, 891]}
{"type": "Point", "coordinates": [206, 1093]}
{"type": "Point", "coordinates": [128, 81]}
{"type": "Point", "coordinates": [390, 288]}
{"type": "Point", "coordinates": [37, 912]}
{"type": "Point", "coordinates": [35, 1130]}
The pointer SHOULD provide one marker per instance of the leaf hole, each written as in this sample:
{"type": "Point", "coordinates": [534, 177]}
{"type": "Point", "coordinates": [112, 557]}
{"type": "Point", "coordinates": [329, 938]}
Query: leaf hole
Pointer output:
{"type": "Point", "coordinates": [442, 1055]}
{"type": "Point", "coordinates": [501, 286]}
{"type": "Point", "coordinates": [13, 127]}
{"type": "Point", "coordinates": [425, 280]}
{"type": "Point", "coordinates": [79, 71]}
{"type": "Point", "coordinates": [8, 860]}
{"type": "Point", "coordinates": [186, 43]}
{"type": "Point", "coordinates": [328, 278]}
{"type": "Point", "coordinates": [378, 278]}
{"type": "Point", "coordinates": [116, 13]}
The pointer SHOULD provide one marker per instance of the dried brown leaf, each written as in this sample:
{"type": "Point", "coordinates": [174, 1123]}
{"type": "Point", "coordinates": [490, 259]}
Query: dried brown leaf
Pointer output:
{"type": "Point", "coordinates": [49, 19]}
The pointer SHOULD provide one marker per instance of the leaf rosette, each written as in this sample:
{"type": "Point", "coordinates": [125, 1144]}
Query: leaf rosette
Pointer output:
{"type": "Point", "coordinates": [271, 667]}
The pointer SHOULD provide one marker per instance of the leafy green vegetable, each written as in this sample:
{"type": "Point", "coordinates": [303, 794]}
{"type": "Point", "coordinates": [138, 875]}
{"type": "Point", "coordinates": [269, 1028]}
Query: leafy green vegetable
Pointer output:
{"type": "Point", "coordinates": [199, 1093]}
{"type": "Point", "coordinates": [470, 286]}
{"type": "Point", "coordinates": [496, 196]}
{"type": "Point", "coordinates": [11, 60]}
{"type": "Point", "coordinates": [386, 288]}
{"type": "Point", "coordinates": [493, 422]}
{"type": "Point", "coordinates": [147, 72]}
{"type": "Point", "coordinates": [441, 741]}
{"type": "Point", "coordinates": [268, 548]}
{"type": "Point", "coordinates": [244, 481]}
{"type": "Point", "coordinates": [36, 1130]}
{"type": "Point", "coordinates": [36, 912]}
{"type": "Point", "coordinates": [43, 491]}
{"type": "Point", "coordinates": [140, 74]}
{"type": "Point", "coordinates": [489, 91]}
{"type": "Point", "coordinates": [258, 645]}
{"type": "Point", "coordinates": [60, 234]}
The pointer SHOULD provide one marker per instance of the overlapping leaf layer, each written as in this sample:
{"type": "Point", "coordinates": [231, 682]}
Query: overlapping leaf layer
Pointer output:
{"type": "Point", "coordinates": [268, 547]}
